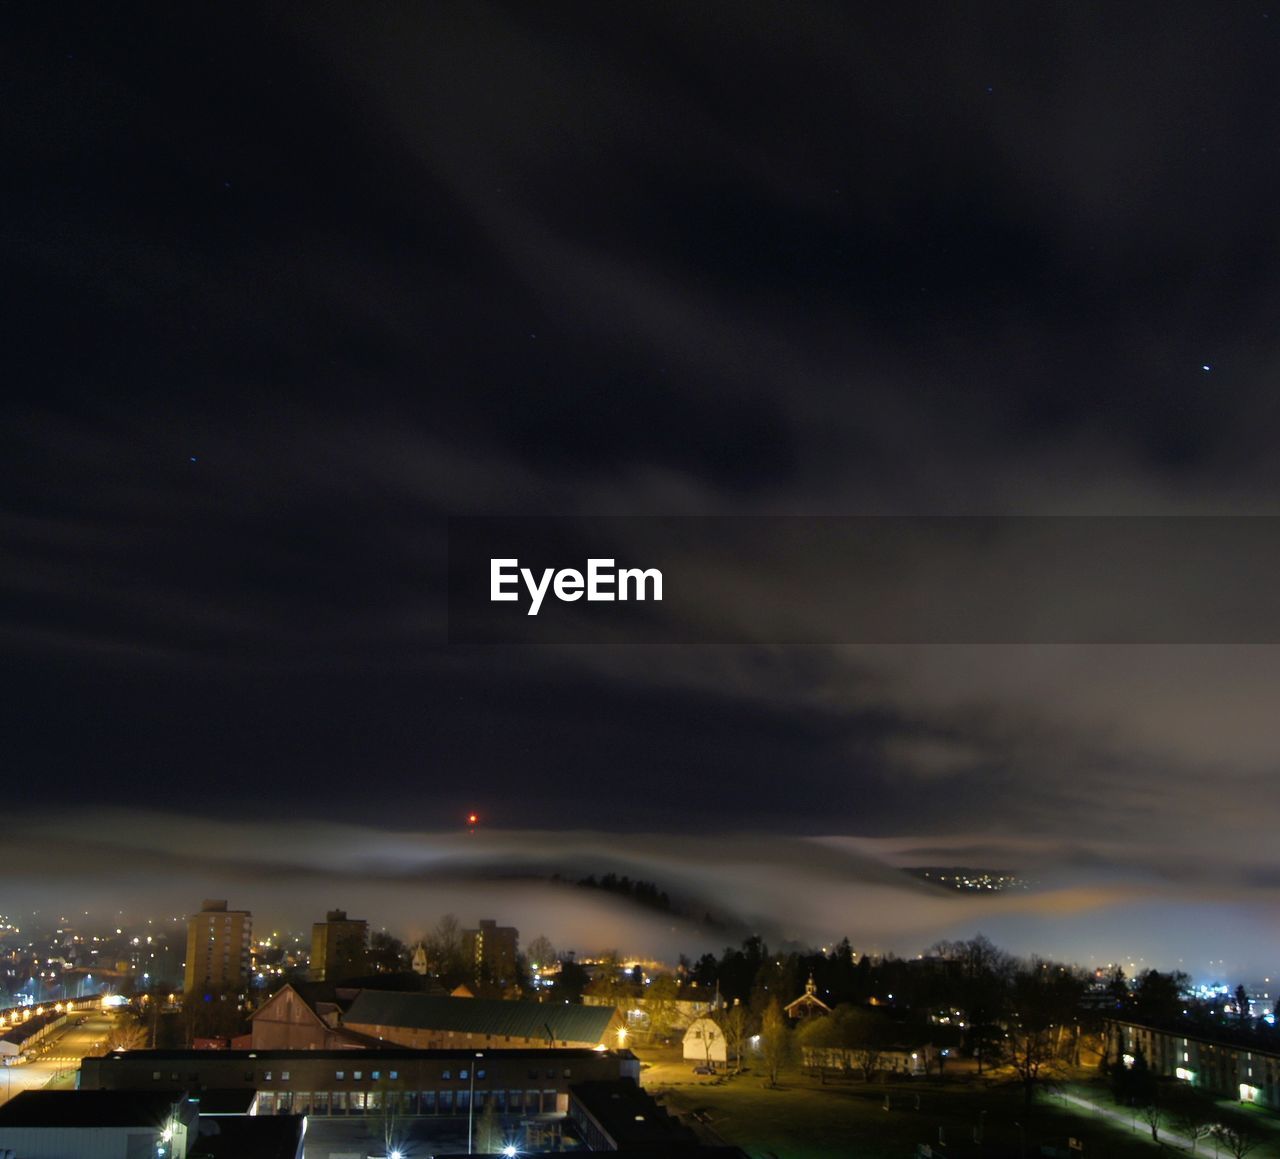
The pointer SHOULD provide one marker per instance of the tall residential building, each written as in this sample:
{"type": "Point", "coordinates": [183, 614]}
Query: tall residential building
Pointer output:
{"type": "Point", "coordinates": [339, 948]}
{"type": "Point", "coordinates": [491, 952]}
{"type": "Point", "coordinates": [218, 948]}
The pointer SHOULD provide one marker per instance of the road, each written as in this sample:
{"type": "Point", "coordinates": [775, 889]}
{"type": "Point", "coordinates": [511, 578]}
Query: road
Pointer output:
{"type": "Point", "coordinates": [1127, 1119]}
{"type": "Point", "coordinates": [58, 1058]}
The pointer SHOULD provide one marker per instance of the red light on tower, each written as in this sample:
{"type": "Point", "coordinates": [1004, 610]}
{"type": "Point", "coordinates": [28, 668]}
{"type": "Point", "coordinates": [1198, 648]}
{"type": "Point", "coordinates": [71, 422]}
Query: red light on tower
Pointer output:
{"type": "Point", "coordinates": [473, 818]}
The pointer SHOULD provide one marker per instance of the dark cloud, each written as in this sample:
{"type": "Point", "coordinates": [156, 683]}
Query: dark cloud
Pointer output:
{"type": "Point", "coordinates": [288, 289]}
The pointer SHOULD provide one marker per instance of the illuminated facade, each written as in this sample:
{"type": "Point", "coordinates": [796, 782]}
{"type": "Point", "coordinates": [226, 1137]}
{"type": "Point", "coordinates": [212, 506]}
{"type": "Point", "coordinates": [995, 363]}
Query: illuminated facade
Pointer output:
{"type": "Point", "coordinates": [491, 951]}
{"type": "Point", "coordinates": [339, 947]}
{"type": "Point", "coordinates": [1235, 1070]}
{"type": "Point", "coordinates": [218, 948]}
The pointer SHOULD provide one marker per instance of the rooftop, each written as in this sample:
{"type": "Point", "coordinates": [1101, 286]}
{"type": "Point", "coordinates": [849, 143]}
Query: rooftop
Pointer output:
{"type": "Point", "coordinates": [92, 1109]}
{"type": "Point", "coordinates": [340, 1055]}
{"type": "Point", "coordinates": [562, 1022]}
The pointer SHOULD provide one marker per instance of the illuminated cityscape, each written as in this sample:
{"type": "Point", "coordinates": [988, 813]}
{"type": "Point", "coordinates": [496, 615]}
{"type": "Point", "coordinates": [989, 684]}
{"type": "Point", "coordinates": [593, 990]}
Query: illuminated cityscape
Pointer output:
{"type": "Point", "coordinates": [668, 579]}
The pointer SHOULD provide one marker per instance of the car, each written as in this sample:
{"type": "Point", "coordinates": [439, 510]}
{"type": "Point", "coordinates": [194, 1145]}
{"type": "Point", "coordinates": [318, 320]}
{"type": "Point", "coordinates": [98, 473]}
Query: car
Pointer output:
{"type": "Point", "coordinates": [703, 1069]}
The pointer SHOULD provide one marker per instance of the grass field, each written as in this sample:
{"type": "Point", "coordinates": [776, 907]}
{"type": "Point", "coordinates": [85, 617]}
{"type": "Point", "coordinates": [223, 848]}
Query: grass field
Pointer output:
{"type": "Point", "coordinates": [805, 1120]}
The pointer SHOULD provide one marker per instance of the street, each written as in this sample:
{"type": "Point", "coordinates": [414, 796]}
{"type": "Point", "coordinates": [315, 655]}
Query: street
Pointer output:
{"type": "Point", "coordinates": [58, 1057]}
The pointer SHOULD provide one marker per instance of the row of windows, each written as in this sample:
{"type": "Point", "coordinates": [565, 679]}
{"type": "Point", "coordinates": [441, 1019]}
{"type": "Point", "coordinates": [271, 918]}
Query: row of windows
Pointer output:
{"type": "Point", "coordinates": [446, 1102]}
{"type": "Point", "coordinates": [375, 1075]}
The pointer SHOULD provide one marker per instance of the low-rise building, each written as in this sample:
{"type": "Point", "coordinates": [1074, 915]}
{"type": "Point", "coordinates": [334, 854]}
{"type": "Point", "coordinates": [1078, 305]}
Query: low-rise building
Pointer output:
{"type": "Point", "coordinates": [432, 1023]}
{"type": "Point", "coordinates": [704, 1043]}
{"type": "Point", "coordinates": [98, 1124]}
{"type": "Point", "coordinates": [1230, 1066]}
{"type": "Point", "coordinates": [302, 1018]}
{"type": "Point", "coordinates": [346, 1082]}
{"type": "Point", "coordinates": [808, 1005]}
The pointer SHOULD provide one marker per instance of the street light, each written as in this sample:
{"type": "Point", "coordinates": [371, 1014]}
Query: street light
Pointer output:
{"type": "Point", "coordinates": [471, 1101]}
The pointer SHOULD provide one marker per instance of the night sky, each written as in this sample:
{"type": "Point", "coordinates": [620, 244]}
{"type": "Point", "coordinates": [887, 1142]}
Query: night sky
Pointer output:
{"type": "Point", "coordinates": [290, 285]}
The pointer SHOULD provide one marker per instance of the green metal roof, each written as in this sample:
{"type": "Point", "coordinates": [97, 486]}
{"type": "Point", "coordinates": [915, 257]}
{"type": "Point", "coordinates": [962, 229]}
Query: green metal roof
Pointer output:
{"type": "Point", "coordinates": [567, 1023]}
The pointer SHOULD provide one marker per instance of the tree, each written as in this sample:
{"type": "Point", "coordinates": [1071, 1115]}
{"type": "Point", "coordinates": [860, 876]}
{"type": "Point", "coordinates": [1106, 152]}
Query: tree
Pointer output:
{"type": "Point", "coordinates": [444, 949]}
{"type": "Point", "coordinates": [540, 952]}
{"type": "Point", "coordinates": [489, 1129]}
{"type": "Point", "coordinates": [128, 1033]}
{"type": "Point", "coordinates": [211, 1013]}
{"type": "Point", "coordinates": [1044, 996]}
{"type": "Point", "coordinates": [1118, 989]}
{"type": "Point", "coordinates": [1242, 1004]}
{"type": "Point", "coordinates": [572, 980]}
{"type": "Point", "coordinates": [660, 1004]}
{"type": "Point", "coordinates": [819, 1043]}
{"type": "Point", "coordinates": [1236, 1135]}
{"type": "Point", "coordinates": [1152, 1114]}
{"type": "Point", "coordinates": [389, 1119]}
{"type": "Point", "coordinates": [775, 1040]}
{"type": "Point", "coordinates": [984, 974]}
{"type": "Point", "coordinates": [387, 954]}
{"type": "Point", "coordinates": [1193, 1114]}
{"type": "Point", "coordinates": [1133, 1085]}
{"type": "Point", "coordinates": [1157, 998]}
{"type": "Point", "coordinates": [734, 1023]}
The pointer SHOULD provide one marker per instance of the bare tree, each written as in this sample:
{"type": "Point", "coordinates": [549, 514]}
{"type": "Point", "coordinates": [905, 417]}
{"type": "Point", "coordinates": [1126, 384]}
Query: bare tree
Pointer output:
{"type": "Point", "coordinates": [1152, 1115]}
{"type": "Point", "coordinates": [1236, 1136]}
{"type": "Point", "coordinates": [734, 1023]}
{"type": "Point", "coordinates": [489, 1129]}
{"type": "Point", "coordinates": [390, 1116]}
{"type": "Point", "coordinates": [1194, 1119]}
{"type": "Point", "coordinates": [867, 1058]}
{"type": "Point", "coordinates": [541, 952]}
{"type": "Point", "coordinates": [775, 1040]}
{"type": "Point", "coordinates": [444, 949]}
{"type": "Point", "coordinates": [129, 1034]}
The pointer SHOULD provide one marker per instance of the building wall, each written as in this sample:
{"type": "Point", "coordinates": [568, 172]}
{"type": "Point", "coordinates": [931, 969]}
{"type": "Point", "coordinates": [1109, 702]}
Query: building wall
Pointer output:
{"type": "Point", "coordinates": [338, 948]}
{"type": "Point", "coordinates": [704, 1040]}
{"type": "Point", "coordinates": [360, 1082]}
{"type": "Point", "coordinates": [286, 1022]}
{"type": "Point", "coordinates": [491, 950]}
{"type": "Point", "coordinates": [218, 948]}
{"type": "Point", "coordinates": [1237, 1072]}
{"type": "Point", "coordinates": [89, 1142]}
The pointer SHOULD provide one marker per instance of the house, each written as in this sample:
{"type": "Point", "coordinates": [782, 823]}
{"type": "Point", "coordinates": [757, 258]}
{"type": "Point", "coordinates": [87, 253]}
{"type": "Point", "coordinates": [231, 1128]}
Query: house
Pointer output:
{"type": "Point", "coordinates": [808, 1005]}
{"type": "Point", "coordinates": [704, 1043]}
{"type": "Point", "coordinates": [303, 1018]}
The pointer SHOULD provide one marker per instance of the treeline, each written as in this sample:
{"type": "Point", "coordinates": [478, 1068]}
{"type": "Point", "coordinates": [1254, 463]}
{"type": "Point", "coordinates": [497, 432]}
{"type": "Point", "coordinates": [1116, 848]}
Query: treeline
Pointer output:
{"type": "Point", "coordinates": [644, 893]}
